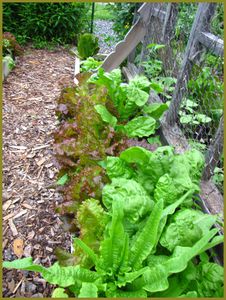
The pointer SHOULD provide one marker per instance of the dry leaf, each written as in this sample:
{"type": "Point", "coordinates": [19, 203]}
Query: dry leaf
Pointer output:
{"type": "Point", "coordinates": [6, 205]}
{"type": "Point", "coordinates": [18, 247]}
{"type": "Point", "coordinates": [9, 216]}
{"type": "Point", "coordinates": [31, 234]}
{"type": "Point", "coordinates": [21, 213]}
{"type": "Point", "coordinates": [41, 161]}
{"type": "Point", "coordinates": [13, 228]}
{"type": "Point", "coordinates": [27, 206]}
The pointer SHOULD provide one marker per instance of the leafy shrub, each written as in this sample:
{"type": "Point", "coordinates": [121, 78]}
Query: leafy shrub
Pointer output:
{"type": "Point", "coordinates": [217, 24]}
{"type": "Point", "coordinates": [45, 21]}
{"type": "Point", "coordinates": [185, 18]}
{"type": "Point", "coordinates": [87, 45]}
{"type": "Point", "coordinates": [10, 45]}
{"type": "Point", "coordinates": [123, 17]}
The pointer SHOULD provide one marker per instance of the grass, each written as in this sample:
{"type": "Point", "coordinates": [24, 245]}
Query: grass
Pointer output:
{"type": "Point", "coordinates": [101, 12]}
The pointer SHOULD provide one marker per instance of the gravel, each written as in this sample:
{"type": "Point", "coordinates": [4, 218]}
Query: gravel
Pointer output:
{"type": "Point", "coordinates": [107, 37]}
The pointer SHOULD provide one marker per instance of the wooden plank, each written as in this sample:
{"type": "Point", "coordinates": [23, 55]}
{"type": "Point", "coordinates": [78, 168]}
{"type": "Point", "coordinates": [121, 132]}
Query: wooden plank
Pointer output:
{"type": "Point", "coordinates": [167, 56]}
{"type": "Point", "coordinates": [215, 151]}
{"type": "Point", "coordinates": [132, 55]}
{"type": "Point", "coordinates": [212, 42]}
{"type": "Point", "coordinates": [159, 13]}
{"type": "Point", "coordinates": [76, 69]}
{"type": "Point", "coordinates": [201, 23]}
{"type": "Point", "coordinates": [214, 201]}
{"type": "Point", "coordinates": [131, 40]}
{"type": "Point", "coordinates": [5, 70]}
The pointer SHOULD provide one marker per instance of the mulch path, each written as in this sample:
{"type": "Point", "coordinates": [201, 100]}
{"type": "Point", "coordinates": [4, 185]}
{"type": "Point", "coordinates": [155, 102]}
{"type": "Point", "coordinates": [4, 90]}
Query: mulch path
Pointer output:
{"type": "Point", "coordinates": [30, 225]}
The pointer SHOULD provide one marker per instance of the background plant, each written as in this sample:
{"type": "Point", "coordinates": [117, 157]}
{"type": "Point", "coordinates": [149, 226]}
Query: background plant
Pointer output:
{"type": "Point", "coordinates": [123, 17]}
{"type": "Point", "coordinates": [10, 45]}
{"type": "Point", "coordinates": [45, 21]}
{"type": "Point", "coordinates": [87, 45]}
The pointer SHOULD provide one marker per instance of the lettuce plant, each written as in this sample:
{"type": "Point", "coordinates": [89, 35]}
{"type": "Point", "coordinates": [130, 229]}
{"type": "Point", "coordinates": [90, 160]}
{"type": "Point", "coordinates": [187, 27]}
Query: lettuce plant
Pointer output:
{"type": "Point", "coordinates": [87, 45]}
{"type": "Point", "coordinates": [132, 266]}
{"type": "Point", "coordinates": [127, 98]}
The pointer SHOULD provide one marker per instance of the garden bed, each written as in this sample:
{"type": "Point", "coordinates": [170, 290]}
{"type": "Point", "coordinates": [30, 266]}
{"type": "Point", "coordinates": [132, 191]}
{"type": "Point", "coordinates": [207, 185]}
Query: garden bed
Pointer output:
{"type": "Point", "coordinates": [118, 195]}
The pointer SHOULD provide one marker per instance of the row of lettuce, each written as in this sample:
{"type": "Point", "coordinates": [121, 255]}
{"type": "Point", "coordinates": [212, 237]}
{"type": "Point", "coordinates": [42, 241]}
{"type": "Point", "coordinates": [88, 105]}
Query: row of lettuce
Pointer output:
{"type": "Point", "coordinates": [132, 205]}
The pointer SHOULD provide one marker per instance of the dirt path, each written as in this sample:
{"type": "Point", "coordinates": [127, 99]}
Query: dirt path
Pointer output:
{"type": "Point", "coordinates": [29, 94]}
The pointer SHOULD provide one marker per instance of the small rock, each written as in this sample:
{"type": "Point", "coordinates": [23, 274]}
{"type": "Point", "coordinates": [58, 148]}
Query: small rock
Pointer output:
{"type": "Point", "coordinates": [30, 287]}
{"type": "Point", "coordinates": [51, 174]}
{"type": "Point", "coordinates": [8, 254]}
{"type": "Point", "coordinates": [38, 295]}
{"type": "Point", "coordinates": [11, 285]}
{"type": "Point", "coordinates": [27, 251]}
{"type": "Point", "coordinates": [22, 288]}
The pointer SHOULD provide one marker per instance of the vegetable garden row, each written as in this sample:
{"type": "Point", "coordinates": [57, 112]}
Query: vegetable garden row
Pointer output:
{"type": "Point", "coordinates": [132, 204]}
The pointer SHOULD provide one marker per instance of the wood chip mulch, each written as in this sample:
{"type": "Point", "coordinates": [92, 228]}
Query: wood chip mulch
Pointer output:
{"type": "Point", "coordinates": [30, 225]}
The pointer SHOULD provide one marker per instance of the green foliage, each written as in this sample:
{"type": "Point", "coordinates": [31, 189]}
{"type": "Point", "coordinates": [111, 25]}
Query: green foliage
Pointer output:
{"type": "Point", "coordinates": [189, 116]}
{"type": "Point", "coordinates": [202, 109]}
{"type": "Point", "coordinates": [106, 116]}
{"type": "Point", "coordinates": [206, 89]}
{"type": "Point", "coordinates": [133, 198]}
{"type": "Point", "coordinates": [140, 126]}
{"type": "Point", "coordinates": [155, 110]}
{"type": "Point", "coordinates": [153, 69]}
{"type": "Point", "coordinates": [45, 22]}
{"type": "Point", "coordinates": [127, 98]}
{"type": "Point", "coordinates": [91, 220]}
{"type": "Point", "coordinates": [59, 293]}
{"type": "Point", "coordinates": [186, 227]}
{"type": "Point", "coordinates": [123, 17]}
{"type": "Point", "coordinates": [87, 45]}
{"type": "Point", "coordinates": [149, 167]}
{"type": "Point", "coordinates": [186, 15]}
{"type": "Point", "coordinates": [90, 64]}
{"type": "Point", "coordinates": [102, 12]}
{"type": "Point", "coordinates": [217, 24]}
{"type": "Point", "coordinates": [218, 177]}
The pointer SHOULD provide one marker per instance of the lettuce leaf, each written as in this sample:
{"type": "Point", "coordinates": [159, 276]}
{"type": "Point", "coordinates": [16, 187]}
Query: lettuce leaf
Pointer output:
{"type": "Point", "coordinates": [186, 227]}
{"type": "Point", "coordinates": [210, 280]}
{"type": "Point", "coordinates": [88, 290]}
{"type": "Point", "coordinates": [155, 110]}
{"type": "Point", "coordinates": [106, 116]}
{"type": "Point", "coordinates": [131, 196]}
{"type": "Point", "coordinates": [140, 127]}
{"type": "Point", "coordinates": [116, 167]}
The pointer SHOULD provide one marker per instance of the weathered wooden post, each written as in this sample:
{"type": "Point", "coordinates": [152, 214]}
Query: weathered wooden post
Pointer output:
{"type": "Point", "coordinates": [132, 55]}
{"type": "Point", "coordinates": [169, 62]}
{"type": "Point", "coordinates": [153, 33]}
{"type": "Point", "coordinates": [215, 151]}
{"type": "Point", "coordinates": [169, 22]}
{"type": "Point", "coordinates": [201, 24]}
